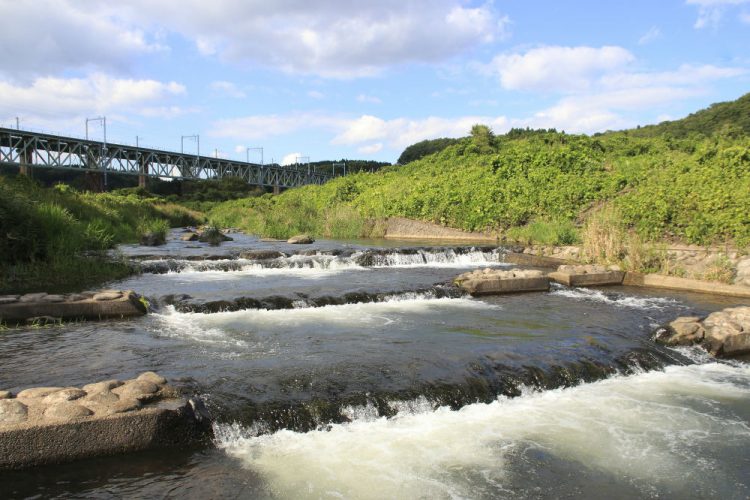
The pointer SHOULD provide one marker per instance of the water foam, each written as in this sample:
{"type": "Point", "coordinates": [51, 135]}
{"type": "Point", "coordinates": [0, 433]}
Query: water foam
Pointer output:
{"type": "Point", "coordinates": [614, 298]}
{"type": "Point", "coordinates": [651, 430]}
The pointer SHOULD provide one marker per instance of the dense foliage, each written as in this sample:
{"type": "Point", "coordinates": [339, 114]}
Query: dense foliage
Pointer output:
{"type": "Point", "coordinates": [46, 234]}
{"type": "Point", "coordinates": [424, 148]}
{"type": "Point", "coordinates": [694, 188]}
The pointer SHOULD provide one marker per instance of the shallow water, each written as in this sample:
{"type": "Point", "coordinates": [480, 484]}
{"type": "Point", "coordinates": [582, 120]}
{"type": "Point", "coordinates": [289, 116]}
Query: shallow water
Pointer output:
{"type": "Point", "coordinates": [374, 379]}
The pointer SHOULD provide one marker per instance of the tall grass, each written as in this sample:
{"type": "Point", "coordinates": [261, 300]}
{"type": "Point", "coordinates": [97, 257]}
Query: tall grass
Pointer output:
{"type": "Point", "coordinates": [545, 232]}
{"type": "Point", "coordinates": [48, 237]}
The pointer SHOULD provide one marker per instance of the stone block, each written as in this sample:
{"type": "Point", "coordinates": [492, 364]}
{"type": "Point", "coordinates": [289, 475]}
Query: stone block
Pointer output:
{"type": "Point", "coordinates": [494, 282]}
{"type": "Point", "coordinates": [588, 275]}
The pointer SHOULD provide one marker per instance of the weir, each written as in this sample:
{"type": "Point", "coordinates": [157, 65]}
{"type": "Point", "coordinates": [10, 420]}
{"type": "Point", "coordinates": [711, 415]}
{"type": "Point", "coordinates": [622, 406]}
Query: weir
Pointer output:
{"type": "Point", "coordinates": [29, 150]}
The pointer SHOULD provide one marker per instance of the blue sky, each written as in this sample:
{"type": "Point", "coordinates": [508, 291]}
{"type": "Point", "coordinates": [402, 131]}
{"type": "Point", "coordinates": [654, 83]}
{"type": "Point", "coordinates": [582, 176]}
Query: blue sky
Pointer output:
{"type": "Point", "coordinates": [333, 79]}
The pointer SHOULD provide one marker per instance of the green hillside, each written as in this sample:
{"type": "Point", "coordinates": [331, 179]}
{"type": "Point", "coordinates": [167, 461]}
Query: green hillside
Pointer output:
{"type": "Point", "coordinates": [693, 186]}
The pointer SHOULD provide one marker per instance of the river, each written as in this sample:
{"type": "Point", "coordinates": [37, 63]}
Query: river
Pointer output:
{"type": "Point", "coordinates": [354, 370]}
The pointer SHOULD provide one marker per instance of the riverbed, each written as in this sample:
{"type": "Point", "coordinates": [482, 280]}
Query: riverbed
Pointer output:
{"type": "Point", "coordinates": [355, 370]}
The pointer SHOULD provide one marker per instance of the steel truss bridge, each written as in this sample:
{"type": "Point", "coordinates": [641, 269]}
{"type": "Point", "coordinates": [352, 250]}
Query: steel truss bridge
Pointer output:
{"type": "Point", "coordinates": [32, 149]}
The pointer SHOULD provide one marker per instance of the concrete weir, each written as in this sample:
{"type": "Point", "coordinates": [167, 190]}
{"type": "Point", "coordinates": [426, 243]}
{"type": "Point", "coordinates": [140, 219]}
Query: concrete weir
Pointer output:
{"type": "Point", "coordinates": [47, 425]}
{"type": "Point", "coordinates": [587, 275]}
{"type": "Point", "coordinates": [492, 281]}
{"type": "Point", "coordinates": [105, 304]}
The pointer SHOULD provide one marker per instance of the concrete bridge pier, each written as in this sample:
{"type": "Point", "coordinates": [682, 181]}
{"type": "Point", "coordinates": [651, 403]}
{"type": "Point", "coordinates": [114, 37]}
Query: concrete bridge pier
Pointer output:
{"type": "Point", "coordinates": [276, 189]}
{"type": "Point", "coordinates": [26, 160]}
{"type": "Point", "coordinates": [143, 172]}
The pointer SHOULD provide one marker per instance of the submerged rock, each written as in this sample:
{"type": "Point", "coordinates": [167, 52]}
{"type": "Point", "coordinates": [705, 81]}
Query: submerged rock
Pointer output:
{"type": "Point", "coordinates": [152, 239]}
{"type": "Point", "coordinates": [723, 333]}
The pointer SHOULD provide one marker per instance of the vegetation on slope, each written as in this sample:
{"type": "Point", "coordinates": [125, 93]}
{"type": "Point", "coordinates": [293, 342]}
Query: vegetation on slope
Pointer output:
{"type": "Point", "coordinates": [53, 238]}
{"type": "Point", "coordinates": [694, 189]}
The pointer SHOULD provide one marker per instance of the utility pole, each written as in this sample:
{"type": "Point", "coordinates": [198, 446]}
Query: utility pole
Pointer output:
{"type": "Point", "coordinates": [18, 123]}
{"type": "Point", "coordinates": [197, 140]}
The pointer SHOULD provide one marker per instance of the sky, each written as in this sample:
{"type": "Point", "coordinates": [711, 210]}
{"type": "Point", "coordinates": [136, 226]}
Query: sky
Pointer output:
{"type": "Point", "coordinates": [331, 79]}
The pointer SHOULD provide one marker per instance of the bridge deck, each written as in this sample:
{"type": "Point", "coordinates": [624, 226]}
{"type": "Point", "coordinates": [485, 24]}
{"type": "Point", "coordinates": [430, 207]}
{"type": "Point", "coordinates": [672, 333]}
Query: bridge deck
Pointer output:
{"type": "Point", "coordinates": [33, 149]}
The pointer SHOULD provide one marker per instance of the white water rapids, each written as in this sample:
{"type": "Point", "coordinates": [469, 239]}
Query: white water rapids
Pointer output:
{"type": "Point", "coordinates": [656, 431]}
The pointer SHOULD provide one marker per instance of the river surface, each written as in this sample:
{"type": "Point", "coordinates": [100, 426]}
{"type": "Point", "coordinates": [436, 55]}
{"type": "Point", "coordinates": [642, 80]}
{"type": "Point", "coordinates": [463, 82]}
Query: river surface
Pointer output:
{"type": "Point", "coordinates": [354, 370]}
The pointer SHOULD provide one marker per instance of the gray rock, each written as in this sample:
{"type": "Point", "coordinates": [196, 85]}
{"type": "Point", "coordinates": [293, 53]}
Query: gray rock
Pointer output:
{"type": "Point", "coordinates": [66, 411]}
{"type": "Point", "coordinates": [189, 237]}
{"type": "Point", "coordinates": [8, 299]}
{"type": "Point", "coordinates": [301, 239]}
{"type": "Point", "coordinates": [77, 297]}
{"type": "Point", "coordinates": [38, 392]}
{"type": "Point", "coordinates": [53, 298]}
{"type": "Point", "coordinates": [685, 331]}
{"type": "Point", "coordinates": [152, 377]}
{"type": "Point", "coordinates": [137, 389]}
{"type": "Point", "coordinates": [6, 394]}
{"type": "Point", "coordinates": [12, 411]}
{"type": "Point", "coordinates": [107, 296]}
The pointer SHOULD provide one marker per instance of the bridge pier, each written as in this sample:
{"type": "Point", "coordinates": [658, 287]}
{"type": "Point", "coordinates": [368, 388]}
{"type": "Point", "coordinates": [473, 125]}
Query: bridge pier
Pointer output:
{"type": "Point", "coordinates": [143, 172]}
{"type": "Point", "coordinates": [94, 181]}
{"type": "Point", "coordinates": [276, 189]}
{"type": "Point", "coordinates": [26, 159]}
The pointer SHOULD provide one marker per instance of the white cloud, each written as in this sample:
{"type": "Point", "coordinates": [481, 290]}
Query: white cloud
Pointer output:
{"type": "Point", "coordinates": [371, 149]}
{"type": "Point", "coordinates": [330, 38]}
{"type": "Point", "coordinates": [650, 36]}
{"type": "Point", "coordinates": [290, 159]}
{"type": "Point", "coordinates": [59, 98]}
{"type": "Point", "coordinates": [45, 36]}
{"type": "Point", "coordinates": [745, 17]}
{"type": "Point", "coordinates": [369, 99]}
{"type": "Point", "coordinates": [710, 12]}
{"type": "Point", "coordinates": [228, 89]}
{"type": "Point", "coordinates": [314, 94]}
{"type": "Point", "coordinates": [265, 126]}
{"type": "Point", "coordinates": [558, 69]}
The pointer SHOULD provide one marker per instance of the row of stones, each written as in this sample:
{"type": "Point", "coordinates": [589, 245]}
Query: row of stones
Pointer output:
{"type": "Point", "coordinates": [60, 404]}
{"type": "Point", "coordinates": [724, 332]}
{"type": "Point", "coordinates": [36, 298]}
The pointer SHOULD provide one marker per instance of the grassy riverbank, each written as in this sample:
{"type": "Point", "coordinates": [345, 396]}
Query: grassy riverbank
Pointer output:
{"type": "Point", "coordinates": [53, 239]}
{"type": "Point", "coordinates": [669, 182]}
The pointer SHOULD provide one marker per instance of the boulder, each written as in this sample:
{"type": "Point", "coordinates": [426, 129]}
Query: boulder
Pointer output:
{"type": "Point", "coordinates": [8, 299]}
{"type": "Point", "coordinates": [66, 411]}
{"type": "Point", "coordinates": [491, 281]}
{"type": "Point", "coordinates": [301, 239]}
{"type": "Point", "coordinates": [62, 396]}
{"type": "Point", "coordinates": [722, 333]}
{"type": "Point", "coordinates": [107, 296]}
{"type": "Point", "coordinates": [6, 394]}
{"type": "Point", "coordinates": [189, 237]}
{"type": "Point", "coordinates": [38, 392]}
{"type": "Point", "coordinates": [261, 255]}
{"type": "Point", "coordinates": [106, 385]}
{"type": "Point", "coordinates": [152, 377]}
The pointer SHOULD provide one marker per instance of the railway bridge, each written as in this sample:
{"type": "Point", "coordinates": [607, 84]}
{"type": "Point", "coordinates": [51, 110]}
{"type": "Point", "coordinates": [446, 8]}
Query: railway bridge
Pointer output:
{"type": "Point", "coordinates": [28, 150]}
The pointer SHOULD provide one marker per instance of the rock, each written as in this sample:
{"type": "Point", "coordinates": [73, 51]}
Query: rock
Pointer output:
{"type": "Point", "coordinates": [77, 297]}
{"type": "Point", "coordinates": [38, 392]}
{"type": "Point", "coordinates": [6, 394]}
{"type": "Point", "coordinates": [8, 299]}
{"type": "Point", "coordinates": [152, 377]}
{"type": "Point", "coordinates": [722, 333]}
{"type": "Point", "coordinates": [33, 297]}
{"type": "Point", "coordinates": [102, 296]}
{"type": "Point", "coordinates": [301, 239]}
{"type": "Point", "coordinates": [136, 389]}
{"type": "Point", "coordinates": [125, 405]}
{"type": "Point", "coordinates": [66, 411]}
{"type": "Point", "coordinates": [63, 395]}
{"type": "Point", "coordinates": [102, 398]}
{"type": "Point", "coordinates": [189, 237]}
{"type": "Point", "coordinates": [737, 345]}
{"type": "Point", "coordinates": [151, 239]}
{"type": "Point", "coordinates": [104, 386]}
{"type": "Point", "coordinates": [12, 411]}
{"type": "Point", "coordinates": [261, 255]}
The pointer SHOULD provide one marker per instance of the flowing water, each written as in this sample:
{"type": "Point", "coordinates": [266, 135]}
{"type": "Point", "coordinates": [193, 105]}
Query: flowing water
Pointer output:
{"type": "Point", "coordinates": [354, 370]}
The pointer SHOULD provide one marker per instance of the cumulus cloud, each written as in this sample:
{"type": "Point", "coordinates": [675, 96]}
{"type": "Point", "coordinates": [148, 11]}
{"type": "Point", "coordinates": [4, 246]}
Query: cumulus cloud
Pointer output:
{"type": "Point", "coordinates": [45, 36]}
{"type": "Point", "coordinates": [369, 99]}
{"type": "Point", "coordinates": [557, 69]}
{"type": "Point", "coordinates": [371, 149]}
{"type": "Point", "coordinates": [330, 38]}
{"type": "Point", "coordinates": [290, 159]}
{"type": "Point", "coordinates": [50, 97]}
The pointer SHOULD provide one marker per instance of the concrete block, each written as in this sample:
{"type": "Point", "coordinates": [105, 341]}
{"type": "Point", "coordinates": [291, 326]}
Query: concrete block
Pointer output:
{"type": "Point", "coordinates": [103, 305]}
{"type": "Point", "coordinates": [494, 282]}
{"type": "Point", "coordinates": [587, 275]}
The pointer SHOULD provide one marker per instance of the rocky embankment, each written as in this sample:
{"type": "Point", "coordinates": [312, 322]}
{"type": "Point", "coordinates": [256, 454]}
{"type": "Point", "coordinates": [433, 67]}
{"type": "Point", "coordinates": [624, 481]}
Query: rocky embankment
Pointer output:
{"type": "Point", "coordinates": [55, 424]}
{"type": "Point", "coordinates": [723, 333]}
{"type": "Point", "coordinates": [50, 308]}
